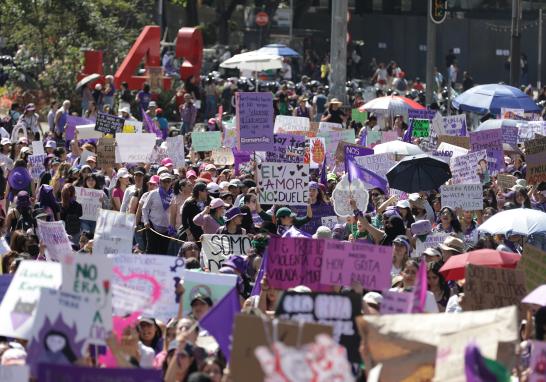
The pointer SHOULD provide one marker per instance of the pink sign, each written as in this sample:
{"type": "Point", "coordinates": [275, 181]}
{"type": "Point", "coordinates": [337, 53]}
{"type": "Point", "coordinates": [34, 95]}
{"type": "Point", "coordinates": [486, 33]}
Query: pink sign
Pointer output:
{"type": "Point", "coordinates": [368, 264]}
{"type": "Point", "coordinates": [295, 261]}
{"type": "Point", "coordinates": [396, 302]}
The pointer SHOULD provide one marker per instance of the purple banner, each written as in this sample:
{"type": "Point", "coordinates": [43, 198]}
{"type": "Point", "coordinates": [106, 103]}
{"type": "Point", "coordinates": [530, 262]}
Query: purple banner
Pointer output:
{"type": "Point", "coordinates": [56, 373]}
{"type": "Point", "coordinates": [421, 114]}
{"type": "Point", "coordinates": [240, 157]}
{"type": "Point", "coordinates": [320, 210]}
{"type": "Point", "coordinates": [295, 261]}
{"type": "Point", "coordinates": [490, 140]}
{"type": "Point", "coordinates": [352, 151]}
{"type": "Point", "coordinates": [5, 280]}
{"type": "Point", "coordinates": [287, 148]}
{"type": "Point", "coordinates": [71, 122]}
{"type": "Point", "coordinates": [510, 135]}
{"type": "Point", "coordinates": [254, 121]}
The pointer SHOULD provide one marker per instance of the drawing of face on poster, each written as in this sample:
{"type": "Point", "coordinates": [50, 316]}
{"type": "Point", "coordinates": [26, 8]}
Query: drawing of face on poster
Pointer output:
{"type": "Point", "coordinates": [483, 171]}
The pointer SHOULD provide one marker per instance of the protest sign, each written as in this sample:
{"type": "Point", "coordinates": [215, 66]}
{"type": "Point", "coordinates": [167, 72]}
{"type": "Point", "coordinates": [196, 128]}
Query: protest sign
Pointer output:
{"type": "Point", "coordinates": [229, 138]}
{"type": "Point", "coordinates": [106, 152]}
{"type": "Point", "coordinates": [420, 128]}
{"type": "Point", "coordinates": [538, 361]}
{"type": "Point", "coordinates": [285, 124]}
{"type": "Point", "coordinates": [55, 373]}
{"type": "Point", "coordinates": [389, 136]}
{"type": "Point", "coordinates": [74, 122]}
{"type": "Point", "coordinates": [88, 132]}
{"type": "Point", "coordinates": [315, 154]}
{"type": "Point", "coordinates": [54, 236]}
{"type": "Point", "coordinates": [134, 148]}
{"type": "Point", "coordinates": [14, 373]}
{"type": "Point", "coordinates": [295, 261]}
{"type": "Point", "coordinates": [350, 151]}
{"type": "Point", "coordinates": [283, 183]}
{"type": "Point", "coordinates": [533, 265]}
{"type": "Point", "coordinates": [85, 155]}
{"type": "Point", "coordinates": [345, 191]}
{"type": "Point", "coordinates": [432, 240]}
{"type": "Point", "coordinates": [505, 181]}
{"type": "Point", "coordinates": [511, 113]}
{"type": "Point", "coordinates": [90, 199]}
{"type": "Point", "coordinates": [155, 275]}
{"type": "Point", "coordinates": [127, 301]}
{"type": "Point", "coordinates": [38, 147]}
{"type": "Point", "coordinates": [421, 114]}
{"type": "Point", "coordinates": [395, 302]}
{"type": "Point", "coordinates": [455, 151]}
{"type": "Point", "coordinates": [251, 332]}
{"type": "Point", "coordinates": [109, 124]}
{"type": "Point", "coordinates": [113, 233]}
{"type": "Point", "coordinates": [60, 315]}
{"type": "Point", "coordinates": [463, 142]}
{"type": "Point", "coordinates": [329, 221]}
{"type": "Point", "coordinates": [535, 158]}
{"type": "Point", "coordinates": [510, 136]}
{"type": "Point", "coordinates": [320, 212]}
{"type": "Point", "coordinates": [373, 138]}
{"type": "Point", "coordinates": [337, 310]}
{"type": "Point", "coordinates": [329, 126]}
{"type": "Point", "coordinates": [344, 263]}
{"type": "Point", "coordinates": [380, 164]}
{"type": "Point", "coordinates": [206, 140]}
{"type": "Point", "coordinates": [469, 197]}
{"type": "Point", "coordinates": [359, 116]}
{"type": "Point", "coordinates": [216, 248]}
{"type": "Point", "coordinates": [254, 120]}
{"type": "Point", "coordinates": [287, 148]}
{"type": "Point", "coordinates": [528, 130]}
{"type": "Point", "coordinates": [18, 307]}
{"type": "Point", "coordinates": [490, 140]}
{"type": "Point", "coordinates": [332, 139]}
{"type": "Point", "coordinates": [487, 288]}
{"type": "Point", "coordinates": [175, 150]}
{"type": "Point", "coordinates": [91, 277]}
{"type": "Point", "coordinates": [223, 156]}
{"type": "Point", "coordinates": [454, 124]}
{"type": "Point", "coordinates": [132, 126]}
{"type": "Point", "coordinates": [206, 284]}
{"type": "Point", "coordinates": [36, 163]}
{"type": "Point", "coordinates": [5, 281]}
{"type": "Point", "coordinates": [464, 168]}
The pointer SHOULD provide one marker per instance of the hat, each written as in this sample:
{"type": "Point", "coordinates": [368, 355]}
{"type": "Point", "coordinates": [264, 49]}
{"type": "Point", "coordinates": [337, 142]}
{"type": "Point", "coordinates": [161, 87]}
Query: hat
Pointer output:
{"type": "Point", "coordinates": [390, 212]}
{"type": "Point", "coordinates": [23, 199]}
{"type": "Point", "coordinates": [19, 178]}
{"type": "Point", "coordinates": [148, 320]}
{"type": "Point", "coordinates": [249, 183]}
{"type": "Point", "coordinates": [209, 167]}
{"type": "Point", "coordinates": [403, 204]}
{"type": "Point", "coordinates": [154, 179]}
{"type": "Point", "coordinates": [30, 107]}
{"type": "Point", "coordinates": [313, 185]}
{"type": "Point", "coordinates": [206, 177]}
{"type": "Point", "coordinates": [23, 140]}
{"type": "Point", "coordinates": [421, 227]}
{"type": "Point", "coordinates": [331, 177]}
{"type": "Point", "coordinates": [25, 149]}
{"type": "Point", "coordinates": [51, 144]}
{"type": "Point", "coordinates": [91, 158]}
{"type": "Point", "coordinates": [123, 173]}
{"type": "Point", "coordinates": [162, 169]}
{"type": "Point", "coordinates": [223, 185]}
{"type": "Point", "coordinates": [152, 104]}
{"type": "Point", "coordinates": [402, 239]}
{"type": "Point", "coordinates": [165, 176]}
{"type": "Point", "coordinates": [452, 243]}
{"type": "Point", "coordinates": [232, 213]}
{"type": "Point", "coordinates": [200, 297]}
{"type": "Point", "coordinates": [236, 262]}
{"type": "Point", "coordinates": [213, 188]}
{"type": "Point", "coordinates": [167, 162]}
{"type": "Point", "coordinates": [190, 173]}
{"type": "Point", "coordinates": [216, 203]}
{"type": "Point", "coordinates": [235, 183]}
{"type": "Point", "coordinates": [323, 232]}
{"type": "Point", "coordinates": [284, 212]}
{"type": "Point", "coordinates": [373, 298]}
{"type": "Point", "coordinates": [5, 141]}
{"type": "Point", "coordinates": [138, 170]}
{"type": "Point", "coordinates": [125, 109]}
{"type": "Point", "coordinates": [432, 252]}
{"type": "Point", "coordinates": [335, 101]}
{"type": "Point", "coordinates": [86, 167]}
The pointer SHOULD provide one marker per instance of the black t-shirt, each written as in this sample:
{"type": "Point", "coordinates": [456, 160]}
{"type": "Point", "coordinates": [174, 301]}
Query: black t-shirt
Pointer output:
{"type": "Point", "coordinates": [336, 115]}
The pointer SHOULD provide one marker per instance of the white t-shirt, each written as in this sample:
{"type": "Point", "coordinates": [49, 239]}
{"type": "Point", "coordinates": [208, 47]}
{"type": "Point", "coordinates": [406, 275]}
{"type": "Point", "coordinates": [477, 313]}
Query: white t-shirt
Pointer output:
{"type": "Point", "coordinates": [147, 356]}
{"type": "Point", "coordinates": [287, 71]}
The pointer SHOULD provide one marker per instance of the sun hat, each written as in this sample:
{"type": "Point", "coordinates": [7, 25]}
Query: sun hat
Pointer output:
{"type": "Point", "coordinates": [216, 203]}
{"type": "Point", "coordinates": [224, 185]}
{"type": "Point", "coordinates": [336, 101]}
{"type": "Point", "coordinates": [19, 178]}
{"type": "Point", "coordinates": [125, 109]}
{"type": "Point", "coordinates": [162, 169]}
{"type": "Point", "coordinates": [235, 183]}
{"type": "Point", "coordinates": [313, 185]}
{"type": "Point", "coordinates": [154, 179]}
{"type": "Point", "coordinates": [432, 252]}
{"type": "Point", "coordinates": [284, 212]}
{"type": "Point", "coordinates": [232, 213]}
{"type": "Point", "coordinates": [139, 170]}
{"type": "Point", "coordinates": [5, 141]}
{"type": "Point", "coordinates": [200, 297]}
{"type": "Point", "coordinates": [452, 243]}
{"type": "Point", "coordinates": [123, 173]}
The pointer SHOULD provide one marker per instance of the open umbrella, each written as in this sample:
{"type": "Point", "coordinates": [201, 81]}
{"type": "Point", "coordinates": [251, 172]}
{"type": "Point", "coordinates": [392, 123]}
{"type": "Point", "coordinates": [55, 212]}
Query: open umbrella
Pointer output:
{"type": "Point", "coordinates": [87, 79]}
{"type": "Point", "coordinates": [492, 124]}
{"type": "Point", "coordinates": [279, 50]}
{"type": "Point", "coordinates": [397, 147]}
{"type": "Point", "coordinates": [491, 98]}
{"type": "Point", "coordinates": [453, 269]}
{"type": "Point", "coordinates": [418, 173]}
{"type": "Point", "coordinates": [254, 61]}
{"type": "Point", "coordinates": [391, 105]}
{"type": "Point", "coordinates": [538, 296]}
{"type": "Point", "coordinates": [523, 221]}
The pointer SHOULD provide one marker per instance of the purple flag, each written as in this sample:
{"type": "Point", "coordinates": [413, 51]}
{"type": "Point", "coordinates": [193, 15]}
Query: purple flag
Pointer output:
{"type": "Point", "coordinates": [219, 320]}
{"type": "Point", "coordinates": [323, 178]}
{"type": "Point", "coordinates": [363, 135]}
{"type": "Point", "coordinates": [294, 232]}
{"type": "Point", "coordinates": [463, 129]}
{"type": "Point", "coordinates": [5, 280]}
{"type": "Point", "coordinates": [356, 171]}
{"type": "Point", "coordinates": [150, 125]}
{"type": "Point", "coordinates": [72, 121]}
{"type": "Point", "coordinates": [420, 289]}
{"type": "Point", "coordinates": [257, 288]}
{"type": "Point", "coordinates": [475, 367]}
{"type": "Point", "coordinates": [408, 133]}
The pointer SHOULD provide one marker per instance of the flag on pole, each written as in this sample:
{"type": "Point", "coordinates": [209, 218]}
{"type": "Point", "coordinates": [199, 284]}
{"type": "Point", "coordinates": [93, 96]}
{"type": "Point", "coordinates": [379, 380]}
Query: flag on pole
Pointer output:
{"type": "Point", "coordinates": [150, 125]}
{"type": "Point", "coordinates": [356, 171]}
{"type": "Point", "coordinates": [480, 369]}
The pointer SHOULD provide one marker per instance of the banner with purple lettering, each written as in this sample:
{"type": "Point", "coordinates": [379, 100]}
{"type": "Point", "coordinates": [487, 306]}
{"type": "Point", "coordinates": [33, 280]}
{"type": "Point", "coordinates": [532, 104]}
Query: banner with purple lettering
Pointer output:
{"type": "Point", "coordinates": [55, 238]}
{"type": "Point", "coordinates": [287, 148]}
{"type": "Point", "coordinates": [254, 121]}
{"type": "Point", "coordinates": [490, 140]}
{"type": "Point", "coordinates": [56, 373]}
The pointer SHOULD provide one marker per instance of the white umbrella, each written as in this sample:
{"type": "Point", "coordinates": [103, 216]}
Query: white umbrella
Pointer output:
{"type": "Point", "coordinates": [87, 79]}
{"type": "Point", "coordinates": [397, 147]}
{"type": "Point", "coordinates": [523, 221]}
{"type": "Point", "coordinates": [255, 61]}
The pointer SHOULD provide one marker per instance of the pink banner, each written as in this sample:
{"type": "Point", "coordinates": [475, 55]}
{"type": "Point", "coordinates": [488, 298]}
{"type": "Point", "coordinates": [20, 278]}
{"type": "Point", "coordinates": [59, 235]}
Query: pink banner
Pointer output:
{"type": "Point", "coordinates": [395, 302]}
{"type": "Point", "coordinates": [295, 261]}
{"type": "Point", "coordinates": [345, 262]}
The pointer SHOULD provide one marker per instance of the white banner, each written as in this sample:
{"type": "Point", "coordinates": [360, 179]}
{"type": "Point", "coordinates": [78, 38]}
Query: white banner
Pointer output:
{"type": "Point", "coordinates": [134, 148]}
{"type": "Point", "coordinates": [90, 199]}
{"type": "Point", "coordinates": [469, 197]}
{"type": "Point", "coordinates": [113, 233]}
{"type": "Point", "coordinates": [216, 248]}
{"type": "Point", "coordinates": [283, 183]}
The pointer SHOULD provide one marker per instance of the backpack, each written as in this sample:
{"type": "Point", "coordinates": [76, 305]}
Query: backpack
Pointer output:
{"type": "Point", "coordinates": [23, 221]}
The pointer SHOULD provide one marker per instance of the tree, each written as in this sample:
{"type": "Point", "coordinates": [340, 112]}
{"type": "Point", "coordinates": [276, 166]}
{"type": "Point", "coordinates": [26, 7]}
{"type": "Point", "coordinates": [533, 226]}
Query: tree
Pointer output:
{"type": "Point", "coordinates": [223, 15]}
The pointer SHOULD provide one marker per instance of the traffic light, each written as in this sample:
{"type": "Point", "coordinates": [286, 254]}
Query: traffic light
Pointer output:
{"type": "Point", "coordinates": [438, 10]}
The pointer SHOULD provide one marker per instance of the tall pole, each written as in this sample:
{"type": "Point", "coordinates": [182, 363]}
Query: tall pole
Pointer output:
{"type": "Point", "coordinates": [431, 54]}
{"type": "Point", "coordinates": [291, 30]}
{"type": "Point", "coordinates": [338, 50]}
{"type": "Point", "coordinates": [539, 50]}
{"type": "Point", "coordinates": [160, 15]}
{"type": "Point", "coordinates": [515, 47]}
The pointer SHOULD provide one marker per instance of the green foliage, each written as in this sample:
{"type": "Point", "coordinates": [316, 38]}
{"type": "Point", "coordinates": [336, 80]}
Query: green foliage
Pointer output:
{"type": "Point", "coordinates": [54, 31]}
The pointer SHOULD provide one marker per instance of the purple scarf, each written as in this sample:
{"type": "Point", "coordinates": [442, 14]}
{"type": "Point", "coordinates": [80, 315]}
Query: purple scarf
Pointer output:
{"type": "Point", "coordinates": [166, 197]}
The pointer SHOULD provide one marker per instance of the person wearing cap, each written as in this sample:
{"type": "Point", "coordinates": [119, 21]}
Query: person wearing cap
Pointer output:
{"type": "Point", "coordinates": [29, 120]}
{"type": "Point", "coordinates": [200, 305]}
{"type": "Point", "coordinates": [46, 200]}
{"type": "Point", "coordinates": [303, 110]}
{"type": "Point", "coordinates": [138, 177]}
{"type": "Point", "coordinates": [233, 219]}
{"type": "Point", "coordinates": [432, 255]}
{"type": "Point", "coordinates": [450, 247]}
{"type": "Point", "coordinates": [155, 216]}
{"type": "Point", "coordinates": [404, 210]}
{"type": "Point", "coordinates": [284, 218]}
{"type": "Point", "coordinates": [19, 179]}
{"type": "Point", "coordinates": [191, 176]}
{"type": "Point", "coordinates": [50, 146]}
{"type": "Point", "coordinates": [195, 204]}
{"type": "Point", "coordinates": [323, 232]}
{"type": "Point", "coordinates": [5, 160]}
{"type": "Point", "coordinates": [212, 217]}
{"type": "Point", "coordinates": [392, 222]}
{"type": "Point", "coordinates": [401, 250]}
{"type": "Point", "coordinates": [234, 188]}
{"type": "Point", "coordinates": [449, 222]}
{"type": "Point", "coordinates": [371, 303]}
{"type": "Point", "coordinates": [420, 208]}
{"type": "Point", "coordinates": [123, 181]}
{"type": "Point", "coordinates": [61, 118]}
{"type": "Point", "coordinates": [333, 113]}
{"type": "Point", "coordinates": [212, 170]}
{"type": "Point", "coordinates": [150, 333]}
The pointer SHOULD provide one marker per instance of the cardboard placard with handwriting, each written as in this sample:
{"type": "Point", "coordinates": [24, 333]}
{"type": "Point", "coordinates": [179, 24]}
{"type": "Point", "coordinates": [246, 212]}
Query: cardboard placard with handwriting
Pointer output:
{"type": "Point", "coordinates": [533, 265]}
{"type": "Point", "coordinates": [463, 142]}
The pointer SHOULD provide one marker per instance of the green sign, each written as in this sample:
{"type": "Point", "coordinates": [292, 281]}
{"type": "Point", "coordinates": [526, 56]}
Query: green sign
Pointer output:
{"type": "Point", "coordinates": [359, 116]}
{"type": "Point", "coordinates": [206, 140]}
{"type": "Point", "coordinates": [420, 128]}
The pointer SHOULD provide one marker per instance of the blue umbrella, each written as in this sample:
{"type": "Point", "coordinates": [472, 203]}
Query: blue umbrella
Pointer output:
{"type": "Point", "coordinates": [279, 50]}
{"type": "Point", "coordinates": [491, 98]}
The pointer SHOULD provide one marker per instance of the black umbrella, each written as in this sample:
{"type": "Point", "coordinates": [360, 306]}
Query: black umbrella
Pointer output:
{"type": "Point", "coordinates": [418, 173]}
